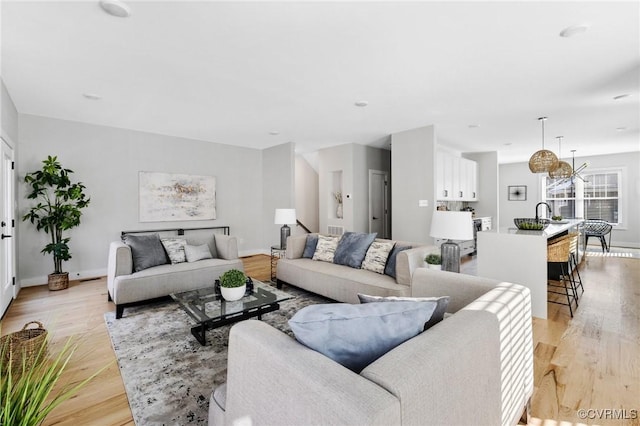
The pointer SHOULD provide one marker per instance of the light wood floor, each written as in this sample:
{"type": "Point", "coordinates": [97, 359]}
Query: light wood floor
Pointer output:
{"type": "Point", "coordinates": [589, 362]}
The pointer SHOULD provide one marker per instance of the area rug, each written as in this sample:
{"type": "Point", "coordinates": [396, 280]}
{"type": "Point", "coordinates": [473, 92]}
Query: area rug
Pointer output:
{"type": "Point", "coordinates": [168, 375]}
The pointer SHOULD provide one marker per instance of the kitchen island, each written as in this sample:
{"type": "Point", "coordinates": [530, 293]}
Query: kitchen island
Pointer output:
{"type": "Point", "coordinates": [520, 257]}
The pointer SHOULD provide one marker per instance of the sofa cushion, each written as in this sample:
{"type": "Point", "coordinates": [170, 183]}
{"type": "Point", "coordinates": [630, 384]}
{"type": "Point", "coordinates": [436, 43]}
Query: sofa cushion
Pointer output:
{"type": "Point", "coordinates": [352, 249]}
{"type": "Point", "coordinates": [438, 314]}
{"type": "Point", "coordinates": [195, 253]}
{"type": "Point", "coordinates": [377, 255]}
{"type": "Point", "coordinates": [310, 246]}
{"type": "Point", "coordinates": [390, 268]}
{"type": "Point", "coordinates": [326, 248]}
{"type": "Point", "coordinates": [356, 335]}
{"type": "Point", "coordinates": [146, 250]}
{"type": "Point", "coordinates": [175, 249]}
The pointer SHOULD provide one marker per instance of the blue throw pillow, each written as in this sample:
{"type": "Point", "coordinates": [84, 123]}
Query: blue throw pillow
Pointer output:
{"type": "Point", "coordinates": [438, 313]}
{"type": "Point", "coordinates": [390, 268]}
{"type": "Point", "coordinates": [357, 335]}
{"type": "Point", "coordinates": [310, 246]}
{"type": "Point", "coordinates": [352, 248]}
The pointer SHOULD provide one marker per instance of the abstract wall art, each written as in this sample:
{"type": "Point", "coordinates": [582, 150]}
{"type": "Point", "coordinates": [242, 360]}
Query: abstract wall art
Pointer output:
{"type": "Point", "coordinates": [174, 197]}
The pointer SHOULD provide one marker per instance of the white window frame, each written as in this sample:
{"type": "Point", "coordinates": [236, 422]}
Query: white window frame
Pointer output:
{"type": "Point", "coordinates": [579, 192]}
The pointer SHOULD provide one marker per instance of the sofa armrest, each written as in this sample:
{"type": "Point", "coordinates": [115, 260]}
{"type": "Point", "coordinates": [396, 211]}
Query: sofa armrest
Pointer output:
{"type": "Point", "coordinates": [295, 246]}
{"type": "Point", "coordinates": [273, 379]}
{"type": "Point", "coordinates": [120, 263]}
{"type": "Point", "coordinates": [462, 289]}
{"type": "Point", "coordinates": [407, 262]}
{"type": "Point", "coordinates": [226, 246]}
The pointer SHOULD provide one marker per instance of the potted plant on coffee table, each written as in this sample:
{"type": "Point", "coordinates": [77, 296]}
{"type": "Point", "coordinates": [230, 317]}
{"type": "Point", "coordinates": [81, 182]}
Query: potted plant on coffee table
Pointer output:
{"type": "Point", "coordinates": [59, 209]}
{"type": "Point", "coordinates": [434, 261]}
{"type": "Point", "coordinates": [233, 285]}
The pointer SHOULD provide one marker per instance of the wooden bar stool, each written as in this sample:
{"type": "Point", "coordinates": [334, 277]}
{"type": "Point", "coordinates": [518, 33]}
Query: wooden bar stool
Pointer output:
{"type": "Point", "coordinates": [558, 252]}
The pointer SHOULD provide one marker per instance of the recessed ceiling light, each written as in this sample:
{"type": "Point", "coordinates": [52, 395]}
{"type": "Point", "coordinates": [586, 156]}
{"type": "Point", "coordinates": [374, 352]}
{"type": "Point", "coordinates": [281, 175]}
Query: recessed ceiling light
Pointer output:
{"type": "Point", "coordinates": [361, 103]}
{"type": "Point", "coordinates": [574, 30]}
{"type": "Point", "coordinates": [625, 95]}
{"type": "Point", "coordinates": [474, 126]}
{"type": "Point", "coordinates": [508, 144]}
{"type": "Point", "coordinates": [621, 129]}
{"type": "Point", "coordinates": [92, 96]}
{"type": "Point", "coordinates": [115, 8]}
{"type": "Point", "coordinates": [274, 133]}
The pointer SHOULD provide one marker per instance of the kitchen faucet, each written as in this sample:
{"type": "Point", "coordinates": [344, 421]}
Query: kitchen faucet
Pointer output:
{"type": "Point", "coordinates": [548, 208]}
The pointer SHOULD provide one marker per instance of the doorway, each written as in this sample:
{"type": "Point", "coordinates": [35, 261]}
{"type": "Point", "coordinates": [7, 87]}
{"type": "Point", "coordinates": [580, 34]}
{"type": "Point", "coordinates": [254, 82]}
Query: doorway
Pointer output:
{"type": "Point", "coordinates": [7, 227]}
{"type": "Point", "coordinates": [379, 203]}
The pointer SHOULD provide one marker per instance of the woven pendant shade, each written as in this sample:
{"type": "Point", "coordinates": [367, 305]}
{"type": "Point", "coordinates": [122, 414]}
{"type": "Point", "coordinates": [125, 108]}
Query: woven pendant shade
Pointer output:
{"type": "Point", "coordinates": [564, 169]}
{"type": "Point", "coordinates": [543, 161]}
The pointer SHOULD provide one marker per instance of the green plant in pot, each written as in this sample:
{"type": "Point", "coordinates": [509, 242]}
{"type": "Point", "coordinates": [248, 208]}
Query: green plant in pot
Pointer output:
{"type": "Point", "coordinates": [58, 209]}
{"type": "Point", "coordinates": [233, 284]}
{"type": "Point", "coordinates": [434, 261]}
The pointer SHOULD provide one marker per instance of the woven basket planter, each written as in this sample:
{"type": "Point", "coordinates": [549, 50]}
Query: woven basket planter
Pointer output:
{"type": "Point", "coordinates": [58, 281]}
{"type": "Point", "coordinates": [26, 344]}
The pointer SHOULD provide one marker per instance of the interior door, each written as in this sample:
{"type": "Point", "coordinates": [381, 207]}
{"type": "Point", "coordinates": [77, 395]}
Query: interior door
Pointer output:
{"type": "Point", "coordinates": [378, 203]}
{"type": "Point", "coordinates": [7, 243]}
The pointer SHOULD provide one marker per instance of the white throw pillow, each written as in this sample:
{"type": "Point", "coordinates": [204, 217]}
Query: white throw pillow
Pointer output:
{"type": "Point", "coordinates": [326, 248]}
{"type": "Point", "coordinates": [195, 253]}
{"type": "Point", "coordinates": [377, 255]}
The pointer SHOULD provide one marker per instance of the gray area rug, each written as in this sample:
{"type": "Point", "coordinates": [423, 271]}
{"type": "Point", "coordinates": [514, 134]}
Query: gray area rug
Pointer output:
{"type": "Point", "coordinates": [167, 374]}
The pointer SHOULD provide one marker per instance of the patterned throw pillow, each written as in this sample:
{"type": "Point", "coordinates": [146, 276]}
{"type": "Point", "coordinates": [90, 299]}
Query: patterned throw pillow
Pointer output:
{"type": "Point", "coordinates": [377, 256]}
{"type": "Point", "coordinates": [175, 249]}
{"type": "Point", "coordinates": [326, 248]}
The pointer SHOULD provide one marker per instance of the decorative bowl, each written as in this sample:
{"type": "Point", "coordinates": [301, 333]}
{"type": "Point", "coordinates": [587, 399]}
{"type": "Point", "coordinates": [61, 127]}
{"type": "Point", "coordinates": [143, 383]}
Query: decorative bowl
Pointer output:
{"type": "Point", "coordinates": [531, 224]}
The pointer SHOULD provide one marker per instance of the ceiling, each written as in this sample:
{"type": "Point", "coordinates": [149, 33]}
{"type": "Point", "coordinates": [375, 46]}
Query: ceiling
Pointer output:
{"type": "Point", "coordinates": [236, 72]}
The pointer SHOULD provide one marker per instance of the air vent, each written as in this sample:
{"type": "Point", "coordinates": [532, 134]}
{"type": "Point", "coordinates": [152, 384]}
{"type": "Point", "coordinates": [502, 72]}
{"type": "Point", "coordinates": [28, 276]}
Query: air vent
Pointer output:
{"type": "Point", "coordinates": [335, 230]}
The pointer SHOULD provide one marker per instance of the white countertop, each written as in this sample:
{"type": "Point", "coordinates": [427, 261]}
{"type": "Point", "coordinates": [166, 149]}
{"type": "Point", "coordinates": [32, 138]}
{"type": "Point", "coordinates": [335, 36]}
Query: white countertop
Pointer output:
{"type": "Point", "coordinates": [553, 229]}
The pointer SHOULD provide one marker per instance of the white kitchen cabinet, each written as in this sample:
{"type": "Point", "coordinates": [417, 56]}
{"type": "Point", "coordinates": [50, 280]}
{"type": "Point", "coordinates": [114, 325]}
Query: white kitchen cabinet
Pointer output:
{"type": "Point", "coordinates": [456, 178]}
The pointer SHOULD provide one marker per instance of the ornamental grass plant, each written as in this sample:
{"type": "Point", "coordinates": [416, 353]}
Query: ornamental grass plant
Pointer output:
{"type": "Point", "coordinates": [30, 388]}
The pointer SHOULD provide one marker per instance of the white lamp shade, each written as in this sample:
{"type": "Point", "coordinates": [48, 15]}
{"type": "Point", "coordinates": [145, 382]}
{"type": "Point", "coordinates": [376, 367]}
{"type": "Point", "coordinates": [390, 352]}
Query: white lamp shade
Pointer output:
{"type": "Point", "coordinates": [452, 225]}
{"type": "Point", "coordinates": [285, 217]}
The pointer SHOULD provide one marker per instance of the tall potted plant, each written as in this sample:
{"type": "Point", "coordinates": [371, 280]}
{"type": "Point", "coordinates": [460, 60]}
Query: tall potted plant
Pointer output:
{"type": "Point", "coordinates": [59, 209]}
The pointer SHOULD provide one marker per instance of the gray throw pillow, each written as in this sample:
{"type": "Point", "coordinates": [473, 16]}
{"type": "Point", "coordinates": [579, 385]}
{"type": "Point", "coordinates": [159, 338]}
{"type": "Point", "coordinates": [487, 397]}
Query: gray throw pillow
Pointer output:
{"type": "Point", "coordinates": [195, 253]}
{"type": "Point", "coordinates": [438, 313]}
{"type": "Point", "coordinates": [146, 250]}
{"type": "Point", "coordinates": [352, 248]}
{"type": "Point", "coordinates": [357, 335]}
{"type": "Point", "coordinates": [310, 246]}
{"type": "Point", "coordinates": [175, 249]}
{"type": "Point", "coordinates": [390, 268]}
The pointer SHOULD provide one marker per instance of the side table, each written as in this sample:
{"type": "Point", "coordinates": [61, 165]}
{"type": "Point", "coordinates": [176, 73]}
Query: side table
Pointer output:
{"type": "Point", "coordinates": [276, 253]}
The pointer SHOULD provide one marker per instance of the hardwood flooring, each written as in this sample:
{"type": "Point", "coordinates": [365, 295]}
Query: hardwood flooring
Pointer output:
{"type": "Point", "coordinates": [590, 362]}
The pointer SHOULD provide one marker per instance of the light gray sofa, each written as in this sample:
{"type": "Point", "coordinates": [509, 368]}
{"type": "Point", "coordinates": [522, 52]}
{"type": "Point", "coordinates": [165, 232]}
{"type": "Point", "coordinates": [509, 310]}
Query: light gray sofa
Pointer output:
{"type": "Point", "coordinates": [474, 367]}
{"type": "Point", "coordinates": [343, 283]}
{"type": "Point", "coordinates": [127, 287]}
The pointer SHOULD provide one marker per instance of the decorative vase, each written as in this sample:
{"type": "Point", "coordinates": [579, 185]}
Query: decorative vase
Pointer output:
{"type": "Point", "coordinates": [436, 267]}
{"type": "Point", "coordinates": [232, 294]}
{"type": "Point", "coordinates": [339, 211]}
{"type": "Point", "coordinates": [58, 281]}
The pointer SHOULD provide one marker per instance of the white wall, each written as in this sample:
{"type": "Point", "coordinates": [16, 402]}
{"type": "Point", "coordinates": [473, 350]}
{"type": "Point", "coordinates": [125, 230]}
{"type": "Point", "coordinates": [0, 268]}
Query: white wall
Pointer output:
{"type": "Point", "coordinates": [306, 188]}
{"type": "Point", "coordinates": [627, 235]}
{"type": "Point", "coordinates": [8, 114]}
{"type": "Point", "coordinates": [413, 179]}
{"type": "Point", "coordinates": [278, 177]}
{"type": "Point", "coordinates": [488, 184]}
{"type": "Point", "coordinates": [330, 160]}
{"type": "Point", "coordinates": [366, 158]}
{"type": "Point", "coordinates": [107, 160]}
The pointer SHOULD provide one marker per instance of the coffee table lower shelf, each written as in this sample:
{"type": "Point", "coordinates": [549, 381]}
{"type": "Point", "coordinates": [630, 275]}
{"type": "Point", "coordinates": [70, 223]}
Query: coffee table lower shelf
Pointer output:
{"type": "Point", "coordinates": [199, 331]}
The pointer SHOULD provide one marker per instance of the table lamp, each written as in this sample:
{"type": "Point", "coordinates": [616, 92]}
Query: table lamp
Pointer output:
{"type": "Point", "coordinates": [285, 217]}
{"type": "Point", "coordinates": [452, 226]}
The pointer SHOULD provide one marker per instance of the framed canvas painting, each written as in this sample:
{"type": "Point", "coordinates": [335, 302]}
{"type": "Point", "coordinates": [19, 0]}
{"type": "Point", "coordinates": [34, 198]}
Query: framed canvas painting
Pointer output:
{"type": "Point", "coordinates": [174, 197]}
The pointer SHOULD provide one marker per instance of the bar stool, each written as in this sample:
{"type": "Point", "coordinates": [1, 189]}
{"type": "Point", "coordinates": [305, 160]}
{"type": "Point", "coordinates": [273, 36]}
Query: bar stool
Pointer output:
{"type": "Point", "coordinates": [573, 262]}
{"type": "Point", "coordinates": [558, 253]}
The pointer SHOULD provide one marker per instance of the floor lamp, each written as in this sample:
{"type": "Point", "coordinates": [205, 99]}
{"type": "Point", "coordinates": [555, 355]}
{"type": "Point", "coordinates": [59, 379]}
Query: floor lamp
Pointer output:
{"type": "Point", "coordinates": [451, 226]}
{"type": "Point", "coordinates": [285, 217]}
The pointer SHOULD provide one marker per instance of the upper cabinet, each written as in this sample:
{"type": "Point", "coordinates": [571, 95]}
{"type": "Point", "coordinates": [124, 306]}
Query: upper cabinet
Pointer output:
{"type": "Point", "coordinates": [456, 178]}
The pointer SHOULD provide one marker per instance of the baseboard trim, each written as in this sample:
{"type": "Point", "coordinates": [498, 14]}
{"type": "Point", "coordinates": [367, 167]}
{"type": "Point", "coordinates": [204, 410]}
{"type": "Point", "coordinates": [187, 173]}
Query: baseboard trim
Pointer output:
{"type": "Point", "coordinates": [73, 275]}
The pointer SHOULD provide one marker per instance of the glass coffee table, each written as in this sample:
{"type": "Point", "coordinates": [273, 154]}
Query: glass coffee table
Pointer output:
{"type": "Point", "coordinates": [209, 310]}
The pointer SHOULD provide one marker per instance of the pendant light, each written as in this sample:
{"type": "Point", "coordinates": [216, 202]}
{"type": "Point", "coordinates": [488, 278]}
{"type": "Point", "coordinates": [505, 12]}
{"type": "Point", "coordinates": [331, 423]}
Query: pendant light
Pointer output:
{"type": "Point", "coordinates": [564, 169]}
{"type": "Point", "coordinates": [543, 161]}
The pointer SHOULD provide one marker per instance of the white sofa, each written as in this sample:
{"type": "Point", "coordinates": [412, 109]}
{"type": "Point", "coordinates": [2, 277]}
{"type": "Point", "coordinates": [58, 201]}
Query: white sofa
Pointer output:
{"type": "Point", "coordinates": [474, 367]}
{"type": "Point", "coordinates": [343, 283]}
{"type": "Point", "coordinates": [127, 288]}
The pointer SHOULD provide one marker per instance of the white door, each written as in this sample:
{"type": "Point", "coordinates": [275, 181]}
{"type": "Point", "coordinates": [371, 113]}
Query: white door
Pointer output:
{"type": "Point", "coordinates": [7, 244]}
{"type": "Point", "coordinates": [378, 203]}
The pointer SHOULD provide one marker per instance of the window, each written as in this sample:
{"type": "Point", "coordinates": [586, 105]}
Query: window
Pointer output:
{"type": "Point", "coordinates": [595, 197]}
